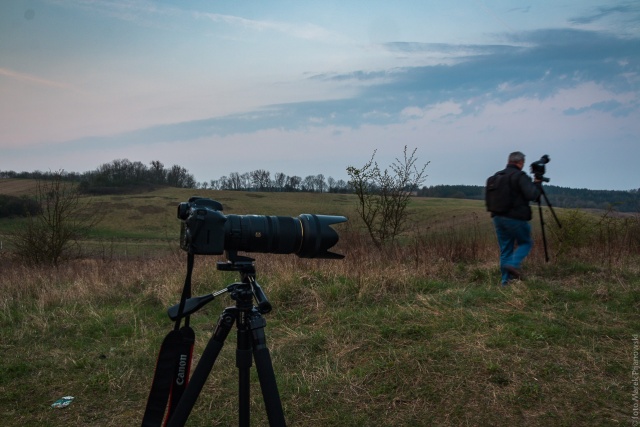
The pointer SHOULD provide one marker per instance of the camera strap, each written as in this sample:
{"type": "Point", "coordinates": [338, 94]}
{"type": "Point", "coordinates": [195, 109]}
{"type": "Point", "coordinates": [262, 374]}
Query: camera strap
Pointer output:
{"type": "Point", "coordinates": [173, 365]}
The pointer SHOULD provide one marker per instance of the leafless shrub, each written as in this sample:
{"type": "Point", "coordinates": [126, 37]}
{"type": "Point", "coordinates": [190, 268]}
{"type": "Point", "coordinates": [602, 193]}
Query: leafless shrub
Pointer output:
{"type": "Point", "coordinates": [383, 196]}
{"type": "Point", "coordinates": [53, 235]}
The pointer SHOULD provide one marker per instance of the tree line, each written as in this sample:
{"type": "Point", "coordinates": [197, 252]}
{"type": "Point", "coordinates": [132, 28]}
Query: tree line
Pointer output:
{"type": "Point", "coordinates": [561, 197]}
{"type": "Point", "coordinates": [54, 231]}
{"type": "Point", "coordinates": [122, 175]}
{"type": "Point", "coordinates": [117, 176]}
{"type": "Point", "coordinates": [261, 180]}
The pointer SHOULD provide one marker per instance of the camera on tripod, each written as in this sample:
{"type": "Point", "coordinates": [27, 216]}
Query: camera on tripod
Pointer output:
{"type": "Point", "coordinates": [538, 168]}
{"type": "Point", "coordinates": [207, 231]}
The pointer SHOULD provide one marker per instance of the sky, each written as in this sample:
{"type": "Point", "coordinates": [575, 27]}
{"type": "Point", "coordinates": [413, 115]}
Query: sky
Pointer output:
{"type": "Point", "coordinates": [311, 87]}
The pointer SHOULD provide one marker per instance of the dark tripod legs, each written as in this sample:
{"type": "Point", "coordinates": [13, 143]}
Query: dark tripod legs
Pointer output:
{"type": "Point", "coordinates": [544, 237]}
{"type": "Point", "coordinates": [251, 341]}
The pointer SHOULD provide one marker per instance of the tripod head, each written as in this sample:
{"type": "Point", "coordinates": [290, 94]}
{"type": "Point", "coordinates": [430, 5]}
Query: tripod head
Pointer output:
{"type": "Point", "coordinates": [243, 264]}
{"type": "Point", "coordinates": [244, 292]}
{"type": "Point", "coordinates": [247, 269]}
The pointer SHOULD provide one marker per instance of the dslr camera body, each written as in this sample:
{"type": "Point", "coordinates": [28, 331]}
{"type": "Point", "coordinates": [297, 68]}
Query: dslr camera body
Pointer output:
{"type": "Point", "coordinates": [538, 168]}
{"type": "Point", "coordinates": [202, 228]}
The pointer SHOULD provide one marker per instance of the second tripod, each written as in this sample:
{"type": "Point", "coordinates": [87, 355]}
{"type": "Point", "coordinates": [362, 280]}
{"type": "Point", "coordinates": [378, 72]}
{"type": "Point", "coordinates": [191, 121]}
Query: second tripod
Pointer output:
{"type": "Point", "coordinates": [544, 236]}
{"type": "Point", "coordinates": [251, 345]}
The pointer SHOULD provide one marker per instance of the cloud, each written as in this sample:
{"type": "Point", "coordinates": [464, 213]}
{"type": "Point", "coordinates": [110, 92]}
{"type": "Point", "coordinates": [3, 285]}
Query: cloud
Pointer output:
{"type": "Point", "coordinates": [533, 65]}
{"type": "Point", "coordinates": [302, 31]}
{"type": "Point", "coordinates": [447, 50]}
{"type": "Point", "coordinates": [614, 107]}
{"type": "Point", "coordinates": [522, 9]}
{"type": "Point", "coordinates": [629, 12]}
{"type": "Point", "coordinates": [28, 78]}
{"type": "Point", "coordinates": [138, 12]}
{"type": "Point", "coordinates": [150, 14]}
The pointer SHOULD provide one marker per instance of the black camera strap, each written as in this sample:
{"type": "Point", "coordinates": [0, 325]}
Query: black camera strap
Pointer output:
{"type": "Point", "coordinates": [173, 365]}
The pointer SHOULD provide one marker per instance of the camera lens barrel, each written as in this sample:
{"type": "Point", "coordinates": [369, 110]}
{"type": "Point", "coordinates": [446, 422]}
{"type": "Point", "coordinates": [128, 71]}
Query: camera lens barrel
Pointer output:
{"type": "Point", "coordinates": [308, 236]}
{"type": "Point", "coordinates": [261, 233]}
{"type": "Point", "coordinates": [207, 231]}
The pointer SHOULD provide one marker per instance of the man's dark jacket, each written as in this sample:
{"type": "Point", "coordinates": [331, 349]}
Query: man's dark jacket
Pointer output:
{"type": "Point", "coordinates": [523, 190]}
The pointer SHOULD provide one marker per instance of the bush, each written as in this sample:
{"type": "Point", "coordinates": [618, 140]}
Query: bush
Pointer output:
{"type": "Point", "coordinates": [577, 230]}
{"type": "Point", "coordinates": [383, 196]}
{"type": "Point", "coordinates": [62, 220]}
{"type": "Point", "coordinates": [12, 206]}
{"type": "Point", "coordinates": [605, 238]}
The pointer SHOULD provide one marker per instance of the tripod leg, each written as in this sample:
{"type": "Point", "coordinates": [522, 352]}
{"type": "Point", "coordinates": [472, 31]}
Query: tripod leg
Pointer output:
{"type": "Point", "coordinates": [544, 236]}
{"type": "Point", "coordinates": [243, 363]}
{"type": "Point", "coordinates": [546, 199]}
{"type": "Point", "coordinates": [203, 368]}
{"type": "Point", "coordinates": [266, 375]}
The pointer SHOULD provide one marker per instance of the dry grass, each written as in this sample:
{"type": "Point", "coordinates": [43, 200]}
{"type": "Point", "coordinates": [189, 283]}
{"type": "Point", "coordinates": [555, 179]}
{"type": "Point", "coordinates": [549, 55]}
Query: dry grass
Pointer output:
{"type": "Point", "coordinates": [421, 334]}
{"type": "Point", "coordinates": [17, 187]}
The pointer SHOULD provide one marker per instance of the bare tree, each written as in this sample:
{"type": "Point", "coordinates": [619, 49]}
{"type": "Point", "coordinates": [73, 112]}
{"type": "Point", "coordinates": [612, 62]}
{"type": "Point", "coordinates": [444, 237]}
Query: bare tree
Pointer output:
{"type": "Point", "coordinates": [293, 183]}
{"type": "Point", "coordinates": [383, 196]}
{"type": "Point", "coordinates": [52, 235]}
{"type": "Point", "coordinates": [234, 182]}
{"type": "Point", "coordinates": [341, 186]}
{"type": "Point", "coordinates": [279, 181]}
{"type": "Point", "coordinates": [319, 183]}
{"type": "Point", "coordinates": [214, 184]}
{"type": "Point", "coordinates": [245, 181]}
{"type": "Point", "coordinates": [261, 179]}
{"type": "Point", "coordinates": [331, 183]}
{"type": "Point", "coordinates": [309, 183]}
{"type": "Point", "coordinates": [179, 177]}
{"type": "Point", "coordinates": [157, 172]}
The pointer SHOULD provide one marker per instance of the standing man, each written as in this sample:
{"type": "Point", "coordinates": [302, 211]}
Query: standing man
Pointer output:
{"type": "Point", "coordinates": [508, 200]}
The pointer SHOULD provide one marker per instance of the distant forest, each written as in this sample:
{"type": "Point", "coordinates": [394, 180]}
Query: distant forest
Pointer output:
{"type": "Point", "coordinates": [123, 176]}
{"type": "Point", "coordinates": [561, 197]}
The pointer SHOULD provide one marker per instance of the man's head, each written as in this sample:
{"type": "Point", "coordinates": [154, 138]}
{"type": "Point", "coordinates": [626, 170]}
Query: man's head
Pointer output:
{"type": "Point", "coordinates": [517, 158]}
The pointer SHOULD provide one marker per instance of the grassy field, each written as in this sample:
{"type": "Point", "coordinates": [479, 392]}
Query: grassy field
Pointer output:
{"type": "Point", "coordinates": [419, 335]}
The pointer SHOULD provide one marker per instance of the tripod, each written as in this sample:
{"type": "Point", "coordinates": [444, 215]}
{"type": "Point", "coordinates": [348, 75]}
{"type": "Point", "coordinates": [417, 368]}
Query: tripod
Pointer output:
{"type": "Point", "coordinates": [544, 237]}
{"type": "Point", "coordinates": [251, 344]}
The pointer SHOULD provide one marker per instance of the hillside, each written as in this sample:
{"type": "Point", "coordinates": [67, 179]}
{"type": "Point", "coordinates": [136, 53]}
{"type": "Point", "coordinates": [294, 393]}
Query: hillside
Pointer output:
{"type": "Point", "coordinates": [416, 335]}
{"type": "Point", "coordinates": [17, 186]}
{"type": "Point", "coordinates": [124, 177]}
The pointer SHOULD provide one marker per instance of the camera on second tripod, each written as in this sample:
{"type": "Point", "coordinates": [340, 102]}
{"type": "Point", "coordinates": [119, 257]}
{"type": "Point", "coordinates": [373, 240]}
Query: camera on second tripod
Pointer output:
{"type": "Point", "coordinates": [538, 168]}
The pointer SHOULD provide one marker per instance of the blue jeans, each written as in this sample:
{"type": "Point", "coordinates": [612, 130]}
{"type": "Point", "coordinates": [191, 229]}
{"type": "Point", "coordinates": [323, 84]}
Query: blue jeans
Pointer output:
{"type": "Point", "coordinates": [512, 233]}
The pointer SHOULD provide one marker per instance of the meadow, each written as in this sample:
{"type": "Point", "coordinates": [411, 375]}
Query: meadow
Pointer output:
{"type": "Point", "coordinates": [420, 334]}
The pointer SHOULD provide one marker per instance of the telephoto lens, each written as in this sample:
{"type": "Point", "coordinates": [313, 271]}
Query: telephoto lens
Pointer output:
{"type": "Point", "coordinates": [206, 231]}
{"type": "Point", "coordinates": [308, 236]}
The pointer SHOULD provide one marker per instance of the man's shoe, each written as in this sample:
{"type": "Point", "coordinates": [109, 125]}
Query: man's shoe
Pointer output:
{"type": "Point", "coordinates": [514, 272]}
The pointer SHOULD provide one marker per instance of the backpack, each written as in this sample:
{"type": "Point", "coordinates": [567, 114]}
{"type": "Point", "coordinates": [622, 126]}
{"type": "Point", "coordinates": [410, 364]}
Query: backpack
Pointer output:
{"type": "Point", "coordinates": [498, 196]}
